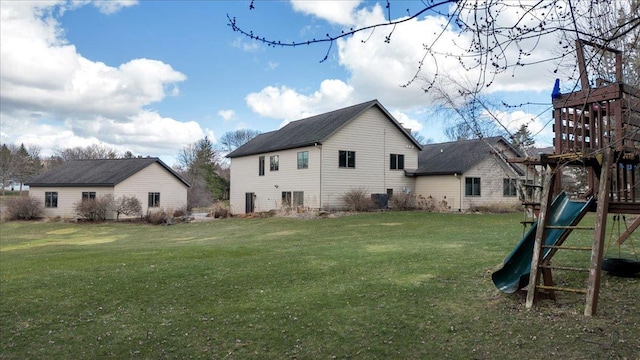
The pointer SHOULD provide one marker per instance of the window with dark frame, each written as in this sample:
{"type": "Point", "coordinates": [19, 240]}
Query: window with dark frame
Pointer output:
{"type": "Point", "coordinates": [154, 199]}
{"type": "Point", "coordinates": [274, 163]}
{"type": "Point", "coordinates": [472, 186]}
{"type": "Point", "coordinates": [303, 160]}
{"type": "Point", "coordinates": [261, 165]}
{"type": "Point", "coordinates": [51, 199]}
{"type": "Point", "coordinates": [509, 187]}
{"type": "Point", "coordinates": [286, 198]}
{"type": "Point", "coordinates": [396, 161]}
{"type": "Point", "coordinates": [298, 198]}
{"type": "Point", "coordinates": [88, 195]}
{"type": "Point", "coordinates": [346, 159]}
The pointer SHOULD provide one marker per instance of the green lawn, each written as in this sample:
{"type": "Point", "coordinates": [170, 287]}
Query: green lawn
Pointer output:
{"type": "Point", "coordinates": [382, 285]}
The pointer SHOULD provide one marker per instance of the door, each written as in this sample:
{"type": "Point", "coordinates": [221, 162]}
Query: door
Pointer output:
{"type": "Point", "coordinates": [249, 202]}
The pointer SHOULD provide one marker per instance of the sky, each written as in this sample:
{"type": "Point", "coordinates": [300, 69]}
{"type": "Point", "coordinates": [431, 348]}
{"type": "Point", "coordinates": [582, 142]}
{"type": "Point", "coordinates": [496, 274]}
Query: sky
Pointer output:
{"type": "Point", "coordinates": [151, 77]}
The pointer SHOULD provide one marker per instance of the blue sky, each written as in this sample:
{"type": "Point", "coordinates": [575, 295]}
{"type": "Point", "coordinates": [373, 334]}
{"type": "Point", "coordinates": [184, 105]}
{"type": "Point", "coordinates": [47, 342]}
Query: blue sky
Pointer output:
{"type": "Point", "coordinates": [153, 76]}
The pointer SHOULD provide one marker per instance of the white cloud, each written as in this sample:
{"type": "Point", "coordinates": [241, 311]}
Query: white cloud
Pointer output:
{"type": "Point", "coordinates": [336, 12]}
{"type": "Point", "coordinates": [515, 119]}
{"type": "Point", "coordinates": [244, 45]}
{"type": "Point", "coordinates": [286, 103]}
{"type": "Point", "coordinates": [69, 100]}
{"type": "Point", "coordinates": [227, 115]}
{"type": "Point", "coordinates": [409, 123]}
{"type": "Point", "coordinates": [378, 69]}
{"type": "Point", "coordinates": [112, 6]}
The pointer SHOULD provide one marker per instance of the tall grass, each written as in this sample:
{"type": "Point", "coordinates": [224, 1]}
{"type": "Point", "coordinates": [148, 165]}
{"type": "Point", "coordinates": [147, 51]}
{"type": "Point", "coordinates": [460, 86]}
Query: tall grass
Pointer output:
{"type": "Point", "coordinates": [384, 285]}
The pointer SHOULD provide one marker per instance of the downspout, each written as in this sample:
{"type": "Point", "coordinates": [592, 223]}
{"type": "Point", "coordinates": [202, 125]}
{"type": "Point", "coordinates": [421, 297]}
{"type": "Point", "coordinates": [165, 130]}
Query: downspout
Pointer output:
{"type": "Point", "coordinates": [459, 191]}
{"type": "Point", "coordinates": [320, 171]}
{"type": "Point", "coordinates": [384, 151]}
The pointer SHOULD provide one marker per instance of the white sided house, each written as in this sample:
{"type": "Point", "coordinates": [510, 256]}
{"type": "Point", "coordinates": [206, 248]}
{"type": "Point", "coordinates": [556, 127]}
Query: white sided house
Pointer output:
{"type": "Point", "coordinates": [150, 180]}
{"type": "Point", "coordinates": [469, 173]}
{"type": "Point", "coordinates": [313, 162]}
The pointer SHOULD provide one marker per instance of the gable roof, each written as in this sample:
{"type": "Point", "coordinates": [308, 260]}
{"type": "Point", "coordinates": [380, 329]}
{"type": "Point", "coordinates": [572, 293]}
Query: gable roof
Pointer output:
{"type": "Point", "coordinates": [312, 130]}
{"type": "Point", "coordinates": [457, 157]}
{"type": "Point", "coordinates": [97, 172]}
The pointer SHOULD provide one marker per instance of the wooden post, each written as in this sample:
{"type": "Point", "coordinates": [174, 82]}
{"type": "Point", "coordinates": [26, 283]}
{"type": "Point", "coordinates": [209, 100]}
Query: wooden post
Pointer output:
{"type": "Point", "coordinates": [597, 251]}
{"type": "Point", "coordinates": [545, 203]}
{"type": "Point", "coordinates": [629, 231]}
{"type": "Point", "coordinates": [584, 79]}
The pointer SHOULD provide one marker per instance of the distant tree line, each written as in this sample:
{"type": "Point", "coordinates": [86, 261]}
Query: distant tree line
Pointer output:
{"type": "Point", "coordinates": [201, 163]}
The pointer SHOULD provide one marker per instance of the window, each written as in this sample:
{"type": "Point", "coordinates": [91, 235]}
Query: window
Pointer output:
{"type": "Point", "coordinates": [509, 187]}
{"type": "Point", "coordinates": [346, 159]}
{"type": "Point", "coordinates": [88, 195]}
{"type": "Point", "coordinates": [51, 199]}
{"type": "Point", "coordinates": [298, 198]}
{"type": "Point", "coordinates": [472, 186]}
{"type": "Point", "coordinates": [274, 163]}
{"type": "Point", "coordinates": [286, 198]}
{"type": "Point", "coordinates": [154, 199]}
{"type": "Point", "coordinates": [389, 193]}
{"type": "Point", "coordinates": [303, 160]}
{"type": "Point", "coordinates": [261, 166]}
{"type": "Point", "coordinates": [396, 162]}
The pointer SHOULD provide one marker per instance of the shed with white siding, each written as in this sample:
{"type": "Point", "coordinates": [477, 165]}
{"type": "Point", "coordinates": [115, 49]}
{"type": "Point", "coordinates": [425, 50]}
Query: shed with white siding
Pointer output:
{"type": "Point", "coordinates": [150, 180]}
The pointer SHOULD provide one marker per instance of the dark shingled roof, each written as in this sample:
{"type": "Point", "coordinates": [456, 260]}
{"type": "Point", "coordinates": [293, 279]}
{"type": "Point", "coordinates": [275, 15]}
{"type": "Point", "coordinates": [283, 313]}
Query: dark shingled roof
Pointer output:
{"type": "Point", "coordinates": [457, 157]}
{"type": "Point", "coordinates": [310, 131]}
{"type": "Point", "coordinates": [100, 172]}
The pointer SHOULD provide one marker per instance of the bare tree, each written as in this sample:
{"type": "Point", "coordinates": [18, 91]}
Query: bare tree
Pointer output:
{"type": "Point", "coordinates": [495, 37]}
{"type": "Point", "coordinates": [127, 205]}
{"type": "Point", "coordinates": [503, 34]}
{"type": "Point", "coordinates": [232, 140]}
{"type": "Point", "coordinates": [83, 153]}
{"type": "Point", "coordinates": [617, 23]}
{"type": "Point", "coordinates": [199, 163]}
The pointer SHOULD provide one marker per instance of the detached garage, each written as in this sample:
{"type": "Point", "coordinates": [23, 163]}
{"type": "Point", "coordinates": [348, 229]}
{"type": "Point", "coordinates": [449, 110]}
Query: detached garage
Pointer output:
{"type": "Point", "coordinates": [150, 180]}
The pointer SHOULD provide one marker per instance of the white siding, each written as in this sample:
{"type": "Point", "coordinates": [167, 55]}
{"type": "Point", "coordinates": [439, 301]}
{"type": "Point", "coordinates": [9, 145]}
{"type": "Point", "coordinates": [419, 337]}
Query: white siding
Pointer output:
{"type": "Point", "coordinates": [447, 188]}
{"type": "Point", "coordinates": [154, 178]}
{"type": "Point", "coordinates": [268, 188]}
{"type": "Point", "coordinates": [491, 172]}
{"type": "Point", "coordinates": [67, 198]}
{"type": "Point", "coordinates": [373, 137]}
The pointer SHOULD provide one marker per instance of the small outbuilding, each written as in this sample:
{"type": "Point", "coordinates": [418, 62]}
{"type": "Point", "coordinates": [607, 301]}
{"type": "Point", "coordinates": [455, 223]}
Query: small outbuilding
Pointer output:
{"type": "Point", "coordinates": [151, 181]}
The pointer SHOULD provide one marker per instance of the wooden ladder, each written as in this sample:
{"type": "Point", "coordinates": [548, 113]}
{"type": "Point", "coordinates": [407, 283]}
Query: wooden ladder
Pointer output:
{"type": "Point", "coordinates": [541, 266]}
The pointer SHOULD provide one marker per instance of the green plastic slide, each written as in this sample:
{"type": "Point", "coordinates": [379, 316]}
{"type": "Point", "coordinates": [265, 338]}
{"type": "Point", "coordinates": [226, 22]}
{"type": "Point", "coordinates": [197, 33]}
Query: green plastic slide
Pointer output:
{"type": "Point", "coordinates": [514, 274]}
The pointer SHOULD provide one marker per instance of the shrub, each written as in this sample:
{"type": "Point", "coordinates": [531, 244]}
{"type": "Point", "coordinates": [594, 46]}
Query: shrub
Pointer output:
{"type": "Point", "coordinates": [496, 208]}
{"type": "Point", "coordinates": [95, 209]}
{"type": "Point", "coordinates": [24, 208]}
{"type": "Point", "coordinates": [179, 212]}
{"type": "Point", "coordinates": [430, 204]}
{"type": "Point", "coordinates": [220, 211]}
{"type": "Point", "coordinates": [127, 205]}
{"type": "Point", "coordinates": [157, 217]}
{"type": "Point", "coordinates": [403, 201]}
{"type": "Point", "coordinates": [357, 200]}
